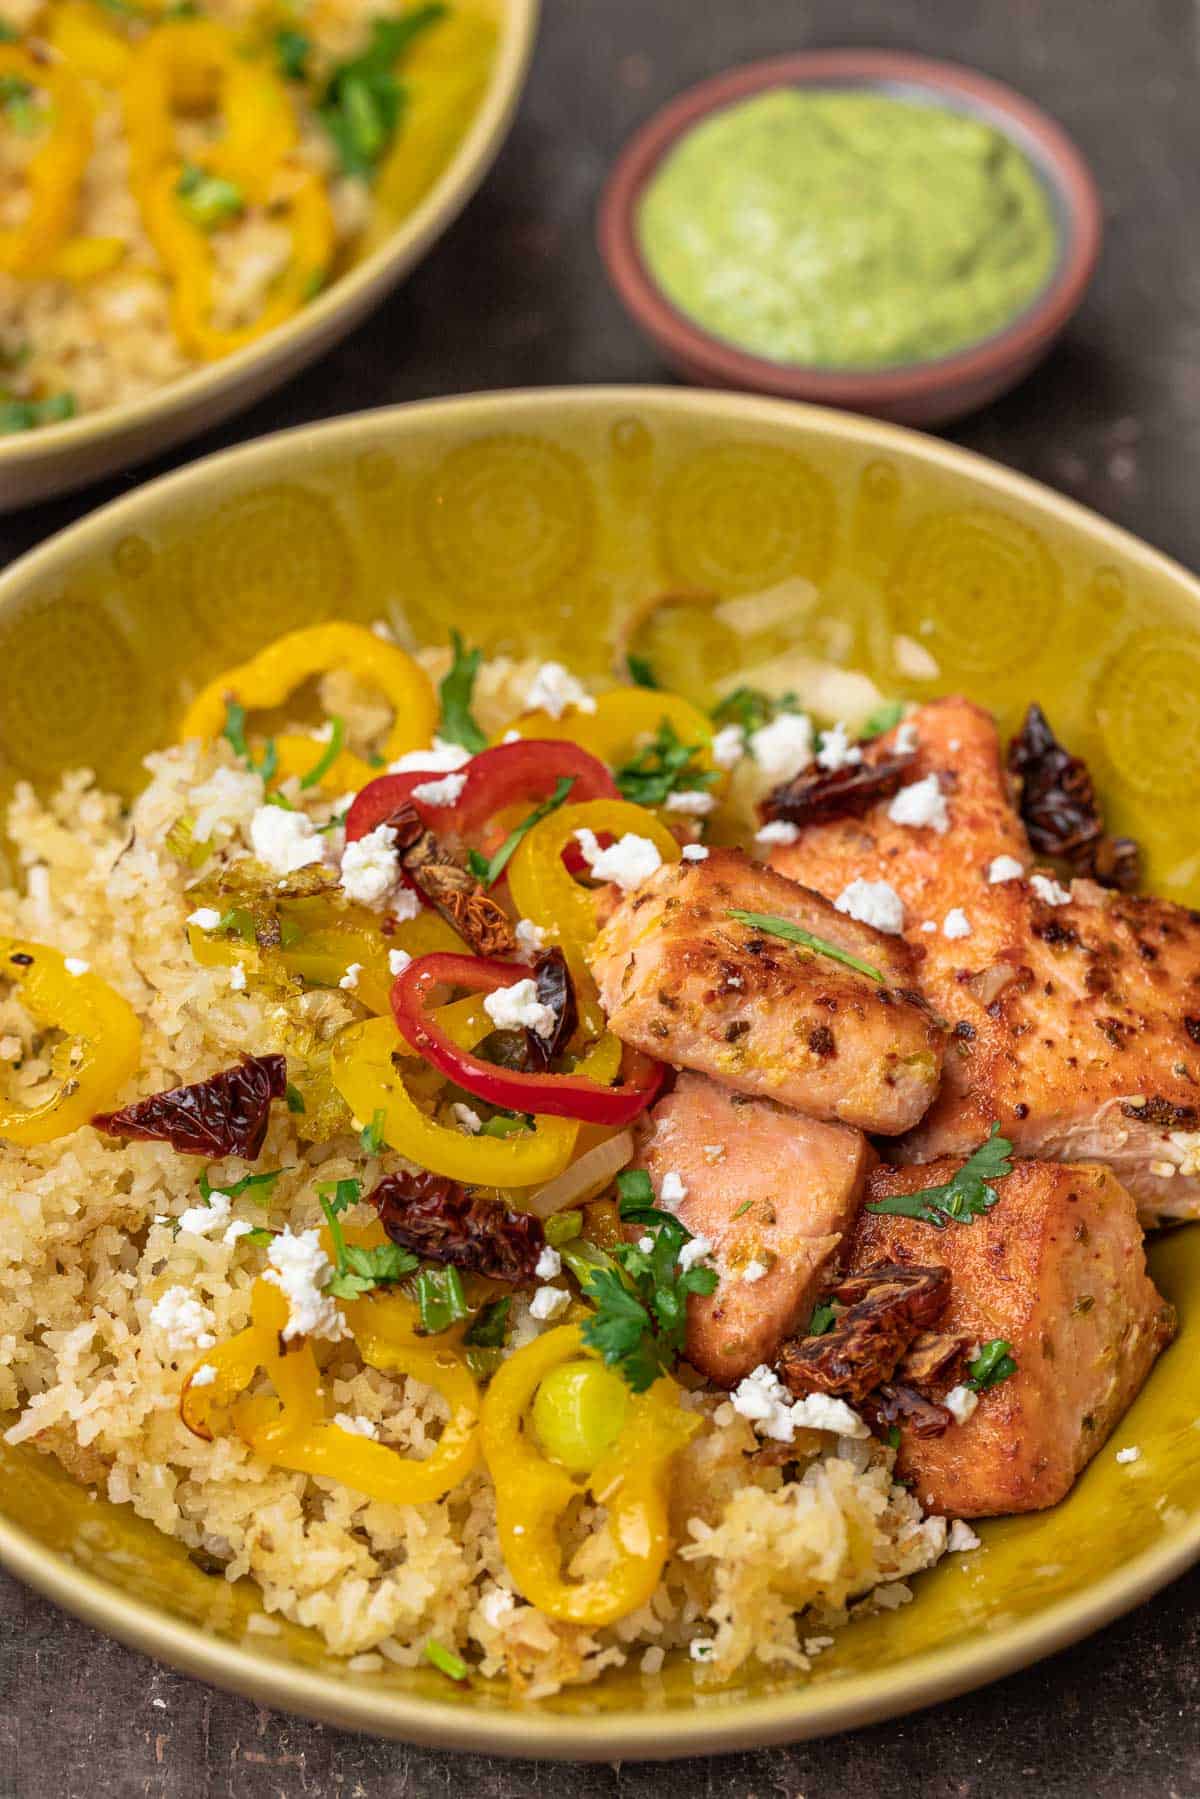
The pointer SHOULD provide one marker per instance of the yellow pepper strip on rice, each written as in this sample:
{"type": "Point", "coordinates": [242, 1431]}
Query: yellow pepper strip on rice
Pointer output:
{"type": "Point", "coordinates": [99, 1052]}
{"type": "Point", "coordinates": [56, 168]}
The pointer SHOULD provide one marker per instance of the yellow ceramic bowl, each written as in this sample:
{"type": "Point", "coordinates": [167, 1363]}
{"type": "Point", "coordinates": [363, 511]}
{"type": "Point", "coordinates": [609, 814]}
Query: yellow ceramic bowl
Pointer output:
{"type": "Point", "coordinates": [544, 521]}
{"type": "Point", "coordinates": [460, 126]}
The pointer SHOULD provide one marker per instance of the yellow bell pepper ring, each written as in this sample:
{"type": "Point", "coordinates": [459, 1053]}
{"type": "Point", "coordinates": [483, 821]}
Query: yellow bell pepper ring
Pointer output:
{"type": "Point", "coordinates": [631, 1479]}
{"type": "Point", "coordinates": [622, 721]}
{"type": "Point", "coordinates": [55, 171]}
{"type": "Point", "coordinates": [297, 755]}
{"type": "Point", "coordinates": [544, 890]}
{"type": "Point", "coordinates": [99, 1052]}
{"type": "Point", "coordinates": [272, 676]}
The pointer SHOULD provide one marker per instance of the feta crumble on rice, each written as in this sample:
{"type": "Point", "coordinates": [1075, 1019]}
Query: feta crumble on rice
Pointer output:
{"type": "Point", "coordinates": [531, 939]}
{"type": "Point", "coordinates": [204, 1377]}
{"type": "Point", "coordinates": [518, 1008]}
{"type": "Point", "coordinates": [300, 1269]}
{"type": "Point", "coordinates": [629, 861]}
{"type": "Point", "coordinates": [956, 923]}
{"type": "Point", "coordinates": [357, 1426]}
{"type": "Point", "coordinates": [237, 977]}
{"type": "Point", "coordinates": [919, 804]}
{"type": "Point", "coordinates": [693, 802]}
{"type": "Point", "coordinates": [371, 866]}
{"type": "Point", "coordinates": [729, 746]}
{"type": "Point", "coordinates": [466, 1117]}
{"type": "Point", "coordinates": [442, 759]}
{"type": "Point", "coordinates": [75, 965]}
{"type": "Point", "coordinates": [671, 1190]}
{"type": "Point", "coordinates": [183, 1321]}
{"type": "Point", "coordinates": [200, 1220]}
{"type": "Point", "coordinates": [693, 1251]}
{"type": "Point", "coordinates": [961, 1538]}
{"type": "Point", "coordinates": [446, 792]}
{"type": "Point", "coordinates": [783, 747]}
{"type": "Point", "coordinates": [765, 1402]}
{"type": "Point", "coordinates": [205, 918]}
{"type": "Point", "coordinates": [695, 852]}
{"type": "Point", "coordinates": [778, 831]}
{"type": "Point", "coordinates": [548, 1302]}
{"type": "Point", "coordinates": [960, 1402]}
{"type": "Point", "coordinates": [285, 841]}
{"type": "Point", "coordinates": [548, 1266]}
{"type": "Point", "coordinates": [349, 980]}
{"type": "Point", "coordinates": [238, 1229]}
{"type": "Point", "coordinates": [1049, 891]}
{"type": "Point", "coordinates": [398, 961]}
{"type": "Point", "coordinates": [837, 751]}
{"type": "Point", "coordinates": [874, 903]}
{"type": "Point", "coordinates": [1132, 1454]}
{"type": "Point", "coordinates": [554, 688]}
{"type": "Point", "coordinates": [1004, 868]}
{"type": "Point", "coordinates": [818, 1411]}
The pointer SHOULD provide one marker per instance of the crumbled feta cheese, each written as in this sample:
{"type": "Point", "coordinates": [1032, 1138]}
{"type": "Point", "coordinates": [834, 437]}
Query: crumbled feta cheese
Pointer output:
{"type": "Point", "coordinates": [371, 866]}
{"type": "Point", "coordinates": [495, 1606]}
{"type": "Point", "coordinates": [921, 803]}
{"type": "Point", "coordinates": [695, 852]}
{"type": "Point", "coordinates": [818, 1411]}
{"type": "Point", "coordinates": [755, 1270]}
{"type": "Point", "coordinates": [466, 1118]}
{"type": "Point", "coordinates": [1132, 1454]}
{"type": "Point", "coordinates": [204, 1377]}
{"type": "Point", "coordinates": [628, 862]}
{"type": "Point", "coordinates": [442, 759]}
{"type": "Point", "coordinates": [223, 804]}
{"type": "Point", "coordinates": [239, 1228]}
{"type": "Point", "coordinates": [1004, 868]}
{"type": "Point", "coordinates": [350, 979]}
{"type": "Point", "coordinates": [285, 841]}
{"type": "Point", "coordinates": [183, 1321]}
{"type": "Point", "coordinates": [75, 965]}
{"type": "Point", "coordinates": [905, 741]}
{"type": "Point", "coordinates": [961, 1538]}
{"type": "Point", "coordinates": [531, 939]}
{"type": "Point", "coordinates": [692, 801]}
{"type": "Point", "coordinates": [548, 1302]}
{"type": "Point", "coordinates": [548, 1266]}
{"type": "Point", "coordinates": [518, 1008]}
{"type": "Point", "coordinates": [729, 746]}
{"type": "Point", "coordinates": [1049, 891]}
{"type": "Point", "coordinates": [671, 1191]}
{"type": "Point", "coordinates": [778, 831]}
{"type": "Point", "coordinates": [702, 1649]}
{"type": "Point", "coordinates": [446, 792]}
{"type": "Point", "coordinates": [398, 961]}
{"type": "Point", "coordinates": [836, 749]}
{"type": "Point", "coordinates": [237, 977]}
{"type": "Point", "coordinates": [693, 1251]}
{"type": "Point", "coordinates": [205, 918]}
{"type": "Point", "coordinates": [960, 1402]}
{"type": "Point", "coordinates": [956, 923]}
{"type": "Point", "coordinates": [874, 903]}
{"type": "Point", "coordinates": [300, 1269]}
{"type": "Point", "coordinates": [783, 747]}
{"type": "Point", "coordinates": [357, 1426]}
{"type": "Point", "coordinates": [646, 1244]}
{"type": "Point", "coordinates": [762, 1398]}
{"type": "Point", "coordinates": [554, 688]}
{"type": "Point", "coordinates": [200, 1220]}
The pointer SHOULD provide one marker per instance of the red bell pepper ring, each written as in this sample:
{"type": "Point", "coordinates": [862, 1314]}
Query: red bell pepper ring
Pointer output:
{"type": "Point", "coordinates": [559, 1095]}
{"type": "Point", "coordinates": [509, 774]}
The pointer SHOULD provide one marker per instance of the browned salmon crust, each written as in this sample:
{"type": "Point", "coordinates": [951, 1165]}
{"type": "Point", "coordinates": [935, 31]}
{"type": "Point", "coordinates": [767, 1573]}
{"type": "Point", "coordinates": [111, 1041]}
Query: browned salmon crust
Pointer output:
{"type": "Point", "coordinates": [1056, 1268]}
{"type": "Point", "coordinates": [774, 1193]}
{"type": "Point", "coordinates": [683, 981]}
{"type": "Point", "coordinates": [1076, 1027]}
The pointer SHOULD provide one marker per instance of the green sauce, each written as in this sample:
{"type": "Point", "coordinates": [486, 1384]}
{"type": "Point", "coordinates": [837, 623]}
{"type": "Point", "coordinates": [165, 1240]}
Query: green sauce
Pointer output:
{"type": "Point", "coordinates": [846, 229]}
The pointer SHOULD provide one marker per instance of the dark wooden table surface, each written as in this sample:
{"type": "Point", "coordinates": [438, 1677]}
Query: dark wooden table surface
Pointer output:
{"type": "Point", "coordinates": [515, 296]}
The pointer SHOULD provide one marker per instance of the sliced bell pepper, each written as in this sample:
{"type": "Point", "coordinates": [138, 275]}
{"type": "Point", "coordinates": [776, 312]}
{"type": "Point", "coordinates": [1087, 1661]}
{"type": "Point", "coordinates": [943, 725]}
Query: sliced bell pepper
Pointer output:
{"type": "Point", "coordinates": [541, 885]}
{"type": "Point", "coordinates": [622, 721]}
{"type": "Point", "coordinates": [55, 171]}
{"type": "Point", "coordinates": [510, 774]}
{"type": "Point", "coordinates": [98, 1054]}
{"type": "Point", "coordinates": [297, 755]}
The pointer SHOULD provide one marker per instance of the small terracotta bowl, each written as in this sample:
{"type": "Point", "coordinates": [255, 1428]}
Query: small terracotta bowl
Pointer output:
{"type": "Point", "coordinates": [925, 393]}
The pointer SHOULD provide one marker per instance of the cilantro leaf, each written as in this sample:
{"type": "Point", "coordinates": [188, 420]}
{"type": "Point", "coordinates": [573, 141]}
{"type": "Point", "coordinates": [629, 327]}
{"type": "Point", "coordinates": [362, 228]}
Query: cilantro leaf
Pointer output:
{"type": "Point", "coordinates": [363, 99]}
{"type": "Point", "coordinates": [440, 1299]}
{"type": "Point", "coordinates": [821, 1321]}
{"type": "Point", "coordinates": [640, 671]}
{"type": "Point", "coordinates": [333, 749]}
{"type": "Point", "coordinates": [751, 708]}
{"type": "Point", "coordinates": [794, 933]}
{"type": "Point", "coordinates": [234, 733]}
{"type": "Point", "coordinates": [963, 1198]}
{"type": "Point", "coordinates": [357, 1270]}
{"type": "Point", "coordinates": [489, 871]}
{"type": "Point", "coordinates": [994, 1363]}
{"type": "Point", "coordinates": [621, 1329]}
{"type": "Point", "coordinates": [371, 1136]}
{"type": "Point", "coordinates": [506, 1124]}
{"type": "Point", "coordinates": [292, 50]}
{"type": "Point", "coordinates": [489, 1325]}
{"type": "Point", "coordinates": [340, 1195]}
{"type": "Point", "coordinates": [295, 1099]}
{"type": "Point", "coordinates": [208, 200]}
{"type": "Point", "coordinates": [247, 1184]}
{"type": "Point", "coordinates": [884, 718]}
{"type": "Point", "coordinates": [640, 1294]}
{"type": "Point", "coordinates": [664, 766]}
{"type": "Point", "coordinates": [27, 415]}
{"type": "Point", "coordinates": [454, 691]}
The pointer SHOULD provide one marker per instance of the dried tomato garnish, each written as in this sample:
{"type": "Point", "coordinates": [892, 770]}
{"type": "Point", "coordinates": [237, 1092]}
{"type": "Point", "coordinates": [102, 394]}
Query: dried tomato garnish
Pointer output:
{"type": "Point", "coordinates": [895, 1404]}
{"type": "Point", "coordinates": [442, 1221]}
{"type": "Point", "coordinates": [932, 1357]}
{"type": "Point", "coordinates": [887, 1307]}
{"type": "Point", "coordinates": [835, 792]}
{"type": "Point", "coordinates": [1060, 811]}
{"type": "Point", "coordinates": [226, 1115]}
{"type": "Point", "coordinates": [449, 887]}
{"type": "Point", "coordinates": [555, 989]}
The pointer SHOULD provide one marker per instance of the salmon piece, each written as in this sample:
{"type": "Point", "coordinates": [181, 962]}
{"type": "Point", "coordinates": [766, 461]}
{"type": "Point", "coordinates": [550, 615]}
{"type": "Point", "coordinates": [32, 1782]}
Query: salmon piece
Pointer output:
{"type": "Point", "coordinates": [1075, 1026]}
{"type": "Point", "coordinates": [1057, 1269]}
{"type": "Point", "coordinates": [770, 1190]}
{"type": "Point", "coordinates": [684, 981]}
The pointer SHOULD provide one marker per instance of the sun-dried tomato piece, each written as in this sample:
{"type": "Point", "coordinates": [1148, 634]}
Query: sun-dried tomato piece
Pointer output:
{"type": "Point", "coordinates": [931, 1357]}
{"type": "Point", "coordinates": [450, 889]}
{"type": "Point", "coordinates": [812, 799]}
{"type": "Point", "coordinates": [887, 1307]}
{"type": "Point", "coordinates": [1060, 811]}
{"type": "Point", "coordinates": [226, 1115]}
{"type": "Point", "coordinates": [898, 1404]}
{"type": "Point", "coordinates": [555, 989]}
{"type": "Point", "coordinates": [442, 1221]}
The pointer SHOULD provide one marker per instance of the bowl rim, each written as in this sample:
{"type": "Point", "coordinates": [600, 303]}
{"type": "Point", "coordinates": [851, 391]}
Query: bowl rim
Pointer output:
{"type": "Point", "coordinates": [1055, 157]}
{"type": "Point", "coordinates": [354, 292]}
{"type": "Point", "coordinates": [924, 1679]}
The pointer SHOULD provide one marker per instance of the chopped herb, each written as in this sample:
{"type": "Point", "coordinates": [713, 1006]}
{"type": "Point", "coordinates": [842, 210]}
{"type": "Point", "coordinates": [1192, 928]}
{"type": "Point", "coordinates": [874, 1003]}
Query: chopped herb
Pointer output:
{"type": "Point", "coordinates": [743, 1208]}
{"type": "Point", "coordinates": [751, 708]}
{"type": "Point", "coordinates": [28, 415]}
{"type": "Point", "coordinates": [488, 1326]}
{"type": "Point", "coordinates": [483, 1363]}
{"type": "Point", "coordinates": [963, 1198]}
{"type": "Point", "coordinates": [636, 1197]}
{"type": "Point", "coordinates": [17, 103]}
{"type": "Point", "coordinates": [279, 799]}
{"type": "Point", "coordinates": [333, 749]}
{"type": "Point", "coordinates": [260, 1236]}
{"type": "Point", "coordinates": [993, 1364]}
{"type": "Point", "coordinates": [295, 1099]}
{"type": "Point", "coordinates": [489, 870]}
{"type": "Point", "coordinates": [640, 672]}
{"type": "Point", "coordinates": [822, 1320]}
{"type": "Point", "coordinates": [884, 718]}
{"type": "Point", "coordinates": [454, 691]}
{"type": "Point", "coordinates": [664, 766]}
{"type": "Point", "coordinates": [506, 1124]}
{"type": "Point", "coordinates": [234, 733]}
{"type": "Point", "coordinates": [893, 1436]}
{"type": "Point", "coordinates": [292, 49]}
{"type": "Point", "coordinates": [356, 1270]}
{"type": "Point", "coordinates": [341, 1195]}
{"type": "Point", "coordinates": [237, 922]}
{"type": "Point", "coordinates": [440, 1299]}
{"type": "Point", "coordinates": [361, 105]}
{"type": "Point", "coordinates": [249, 1183]}
{"type": "Point", "coordinates": [562, 1228]}
{"type": "Point", "coordinates": [208, 200]}
{"type": "Point", "coordinates": [445, 1661]}
{"type": "Point", "coordinates": [371, 1137]}
{"type": "Point", "coordinates": [794, 933]}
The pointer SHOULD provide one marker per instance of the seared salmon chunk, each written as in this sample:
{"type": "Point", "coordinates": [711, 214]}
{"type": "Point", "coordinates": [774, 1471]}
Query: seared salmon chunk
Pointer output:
{"type": "Point", "coordinates": [773, 1193]}
{"type": "Point", "coordinates": [1056, 1269]}
{"type": "Point", "coordinates": [837, 1031]}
